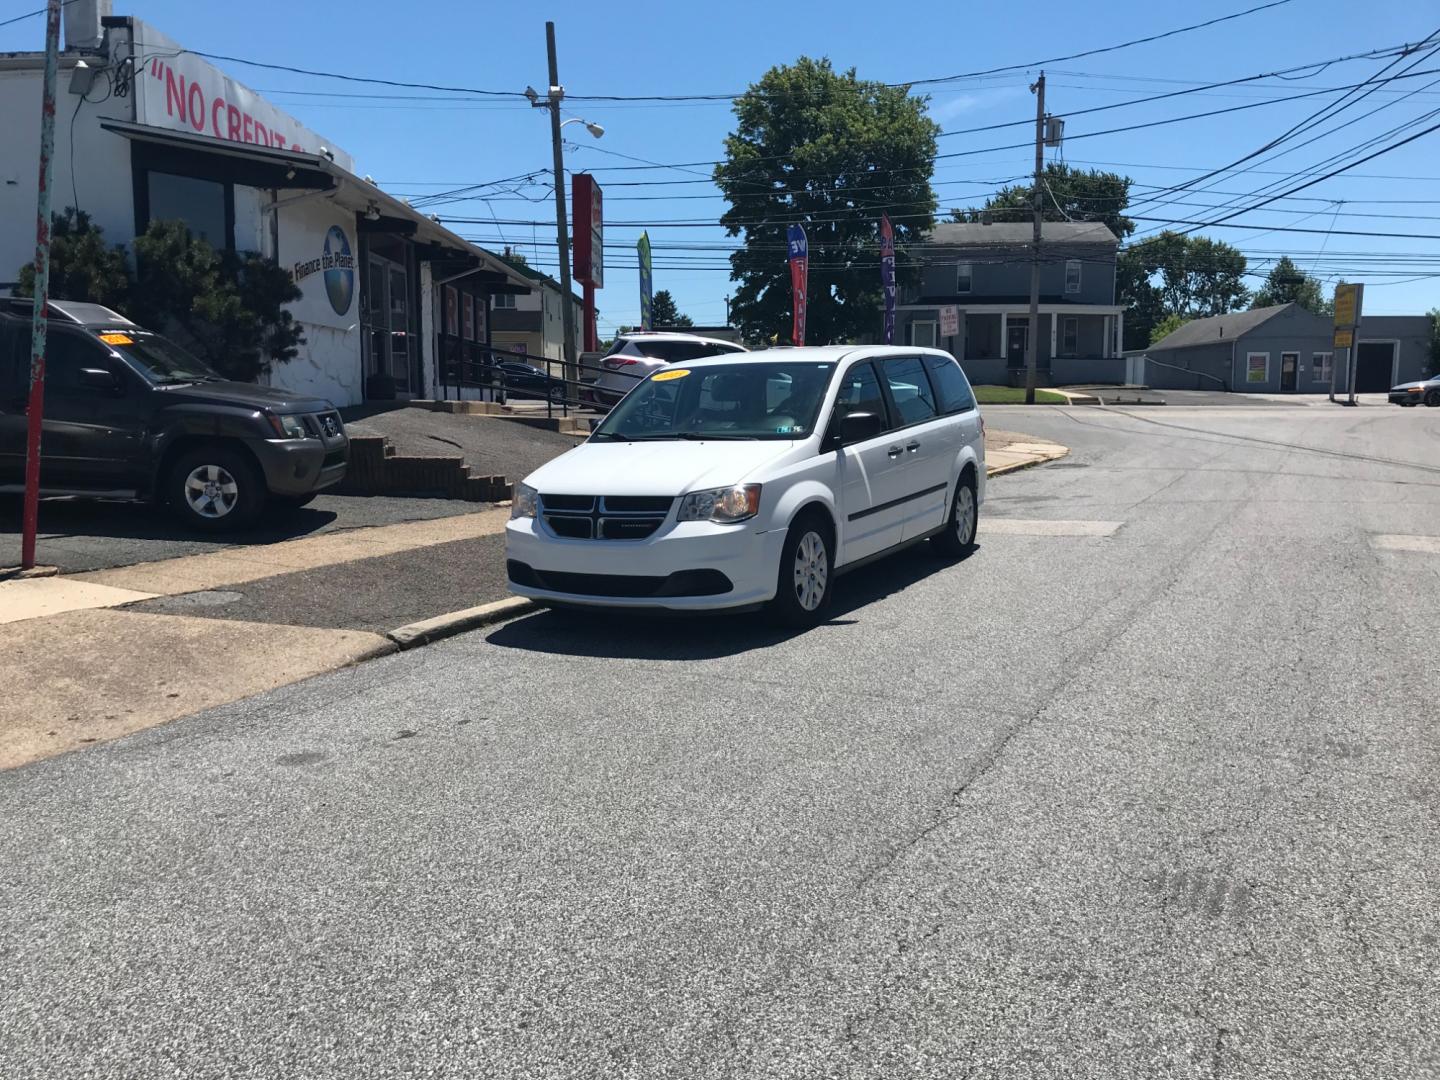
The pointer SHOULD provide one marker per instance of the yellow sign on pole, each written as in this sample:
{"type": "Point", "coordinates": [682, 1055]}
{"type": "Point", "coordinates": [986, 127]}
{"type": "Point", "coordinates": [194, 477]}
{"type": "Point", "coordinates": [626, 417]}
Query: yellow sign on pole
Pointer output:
{"type": "Point", "coordinates": [1344, 339]}
{"type": "Point", "coordinates": [1347, 306]}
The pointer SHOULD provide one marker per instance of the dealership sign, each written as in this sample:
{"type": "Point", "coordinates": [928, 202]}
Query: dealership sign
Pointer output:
{"type": "Point", "coordinates": [337, 264]}
{"type": "Point", "coordinates": [589, 239]}
{"type": "Point", "coordinates": [180, 91]}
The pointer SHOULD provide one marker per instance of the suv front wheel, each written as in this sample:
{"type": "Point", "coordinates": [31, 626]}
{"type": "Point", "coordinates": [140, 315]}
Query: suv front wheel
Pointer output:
{"type": "Point", "coordinates": [215, 488]}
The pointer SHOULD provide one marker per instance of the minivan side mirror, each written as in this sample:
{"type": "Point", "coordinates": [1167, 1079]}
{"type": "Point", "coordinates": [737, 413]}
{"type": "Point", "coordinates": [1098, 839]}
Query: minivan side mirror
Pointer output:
{"type": "Point", "coordinates": [856, 427]}
{"type": "Point", "coordinates": [99, 379]}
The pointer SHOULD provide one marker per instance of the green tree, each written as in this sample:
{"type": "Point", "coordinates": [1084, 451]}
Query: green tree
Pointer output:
{"type": "Point", "coordinates": [82, 266]}
{"type": "Point", "coordinates": [1070, 194]}
{"type": "Point", "coordinates": [225, 306]}
{"type": "Point", "coordinates": [830, 151]}
{"type": "Point", "coordinates": [663, 311]}
{"type": "Point", "coordinates": [1288, 284]}
{"type": "Point", "coordinates": [1168, 325]}
{"type": "Point", "coordinates": [1174, 274]}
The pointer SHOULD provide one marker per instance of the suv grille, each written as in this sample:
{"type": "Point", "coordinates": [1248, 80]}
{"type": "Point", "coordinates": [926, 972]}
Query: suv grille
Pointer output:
{"type": "Point", "coordinates": [607, 517]}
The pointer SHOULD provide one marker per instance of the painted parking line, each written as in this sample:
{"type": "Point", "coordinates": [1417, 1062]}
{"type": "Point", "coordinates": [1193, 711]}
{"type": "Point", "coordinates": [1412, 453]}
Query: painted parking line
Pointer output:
{"type": "Point", "coordinates": [1042, 527]}
{"type": "Point", "coordinates": [1425, 545]}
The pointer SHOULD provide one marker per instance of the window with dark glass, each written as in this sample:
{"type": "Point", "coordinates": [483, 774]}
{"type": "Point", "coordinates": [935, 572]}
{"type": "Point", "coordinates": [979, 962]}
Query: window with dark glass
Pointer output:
{"type": "Point", "coordinates": [951, 386]}
{"type": "Point", "coordinates": [200, 204]}
{"type": "Point", "coordinates": [1070, 342]}
{"type": "Point", "coordinates": [910, 389]}
{"type": "Point", "coordinates": [860, 392]}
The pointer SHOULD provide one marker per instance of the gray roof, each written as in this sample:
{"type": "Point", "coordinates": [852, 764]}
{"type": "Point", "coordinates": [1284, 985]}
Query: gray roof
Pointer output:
{"type": "Point", "coordinates": [1218, 328]}
{"type": "Point", "coordinates": [1023, 232]}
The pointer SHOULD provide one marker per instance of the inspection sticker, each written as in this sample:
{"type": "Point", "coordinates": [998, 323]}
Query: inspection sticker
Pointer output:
{"type": "Point", "coordinates": [674, 373]}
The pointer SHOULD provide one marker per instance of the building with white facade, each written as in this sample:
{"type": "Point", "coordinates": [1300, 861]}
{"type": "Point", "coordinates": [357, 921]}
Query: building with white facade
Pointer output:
{"type": "Point", "coordinates": [147, 131]}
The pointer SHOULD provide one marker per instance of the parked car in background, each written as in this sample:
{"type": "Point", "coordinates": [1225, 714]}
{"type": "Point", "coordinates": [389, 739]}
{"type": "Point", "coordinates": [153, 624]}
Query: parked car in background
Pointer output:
{"type": "Point", "coordinates": [721, 484]}
{"type": "Point", "coordinates": [526, 380]}
{"type": "Point", "coordinates": [1413, 393]}
{"type": "Point", "coordinates": [636, 355]}
{"type": "Point", "coordinates": [129, 414]}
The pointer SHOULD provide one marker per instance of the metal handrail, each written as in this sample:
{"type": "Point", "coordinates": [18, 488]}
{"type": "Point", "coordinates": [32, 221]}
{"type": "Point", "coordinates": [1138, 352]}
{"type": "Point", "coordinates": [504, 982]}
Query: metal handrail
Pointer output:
{"type": "Point", "coordinates": [484, 374]}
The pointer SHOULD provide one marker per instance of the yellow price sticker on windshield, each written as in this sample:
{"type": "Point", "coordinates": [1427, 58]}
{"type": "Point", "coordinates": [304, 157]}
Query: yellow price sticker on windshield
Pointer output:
{"type": "Point", "coordinates": [676, 373]}
{"type": "Point", "coordinates": [117, 339]}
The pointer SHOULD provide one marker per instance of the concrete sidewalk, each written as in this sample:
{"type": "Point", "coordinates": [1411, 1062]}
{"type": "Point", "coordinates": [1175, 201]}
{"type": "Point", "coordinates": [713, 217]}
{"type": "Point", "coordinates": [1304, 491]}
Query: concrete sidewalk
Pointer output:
{"type": "Point", "coordinates": [94, 656]}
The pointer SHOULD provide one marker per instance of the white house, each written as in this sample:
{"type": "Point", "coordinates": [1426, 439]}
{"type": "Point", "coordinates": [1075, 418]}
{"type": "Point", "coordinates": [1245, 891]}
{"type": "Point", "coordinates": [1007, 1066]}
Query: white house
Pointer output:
{"type": "Point", "coordinates": [147, 131]}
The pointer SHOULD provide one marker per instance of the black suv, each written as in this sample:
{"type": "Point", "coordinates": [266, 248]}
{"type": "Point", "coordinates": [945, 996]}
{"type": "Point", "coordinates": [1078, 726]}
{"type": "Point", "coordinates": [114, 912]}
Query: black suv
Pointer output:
{"type": "Point", "coordinates": [129, 414]}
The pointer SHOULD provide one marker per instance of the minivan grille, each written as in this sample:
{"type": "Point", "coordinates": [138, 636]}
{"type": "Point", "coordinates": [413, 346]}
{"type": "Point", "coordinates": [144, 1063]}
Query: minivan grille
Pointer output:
{"type": "Point", "coordinates": [606, 517]}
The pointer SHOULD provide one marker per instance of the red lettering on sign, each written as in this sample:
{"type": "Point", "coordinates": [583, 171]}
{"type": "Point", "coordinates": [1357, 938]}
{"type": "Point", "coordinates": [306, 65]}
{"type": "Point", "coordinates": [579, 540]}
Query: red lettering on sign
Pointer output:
{"type": "Point", "coordinates": [232, 123]}
{"type": "Point", "coordinates": [174, 95]}
{"type": "Point", "coordinates": [215, 108]}
{"type": "Point", "coordinates": [261, 135]}
{"type": "Point", "coordinates": [248, 129]}
{"type": "Point", "coordinates": [196, 100]}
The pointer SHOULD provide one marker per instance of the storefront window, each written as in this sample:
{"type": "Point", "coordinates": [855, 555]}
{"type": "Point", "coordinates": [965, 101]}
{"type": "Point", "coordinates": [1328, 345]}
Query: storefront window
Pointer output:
{"type": "Point", "coordinates": [200, 204]}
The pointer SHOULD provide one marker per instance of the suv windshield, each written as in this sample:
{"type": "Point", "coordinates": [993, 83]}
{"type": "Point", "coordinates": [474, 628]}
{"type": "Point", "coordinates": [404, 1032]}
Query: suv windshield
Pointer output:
{"type": "Point", "coordinates": [749, 400]}
{"type": "Point", "coordinates": [158, 359]}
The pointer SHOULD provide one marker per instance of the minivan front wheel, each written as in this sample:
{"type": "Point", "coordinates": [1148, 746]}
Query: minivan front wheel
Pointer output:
{"type": "Point", "coordinates": [807, 571]}
{"type": "Point", "coordinates": [958, 536]}
{"type": "Point", "coordinates": [214, 488]}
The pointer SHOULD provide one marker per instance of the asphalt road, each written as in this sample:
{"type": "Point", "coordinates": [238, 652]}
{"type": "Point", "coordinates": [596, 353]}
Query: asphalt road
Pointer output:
{"type": "Point", "coordinates": [1157, 803]}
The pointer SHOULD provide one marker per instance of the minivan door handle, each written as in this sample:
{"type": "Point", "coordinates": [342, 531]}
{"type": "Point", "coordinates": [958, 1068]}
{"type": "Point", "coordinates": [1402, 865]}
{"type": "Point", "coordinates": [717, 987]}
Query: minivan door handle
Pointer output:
{"type": "Point", "coordinates": [912, 447]}
{"type": "Point", "coordinates": [895, 451]}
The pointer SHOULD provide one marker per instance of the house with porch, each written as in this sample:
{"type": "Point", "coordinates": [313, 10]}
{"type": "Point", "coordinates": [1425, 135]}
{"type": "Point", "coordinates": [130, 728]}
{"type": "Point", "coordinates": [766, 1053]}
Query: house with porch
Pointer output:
{"type": "Point", "coordinates": [983, 270]}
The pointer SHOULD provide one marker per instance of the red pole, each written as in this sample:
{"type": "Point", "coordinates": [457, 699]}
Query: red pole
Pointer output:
{"type": "Point", "coordinates": [35, 409]}
{"type": "Point", "coordinates": [592, 339]}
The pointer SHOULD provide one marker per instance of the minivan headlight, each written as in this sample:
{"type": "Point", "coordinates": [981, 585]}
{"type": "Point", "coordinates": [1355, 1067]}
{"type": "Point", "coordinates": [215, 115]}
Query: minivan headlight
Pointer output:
{"type": "Point", "coordinates": [727, 504]}
{"type": "Point", "coordinates": [523, 502]}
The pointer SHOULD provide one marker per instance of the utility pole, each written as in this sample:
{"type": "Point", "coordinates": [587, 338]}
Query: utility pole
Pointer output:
{"type": "Point", "coordinates": [35, 408]}
{"type": "Point", "coordinates": [555, 95]}
{"type": "Point", "coordinates": [1032, 336]}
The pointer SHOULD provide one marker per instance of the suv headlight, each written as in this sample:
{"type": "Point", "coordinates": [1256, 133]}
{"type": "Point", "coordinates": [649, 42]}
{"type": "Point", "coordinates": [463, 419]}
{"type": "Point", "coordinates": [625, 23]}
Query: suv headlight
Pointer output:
{"type": "Point", "coordinates": [524, 502]}
{"type": "Point", "coordinates": [727, 504]}
{"type": "Point", "coordinates": [288, 427]}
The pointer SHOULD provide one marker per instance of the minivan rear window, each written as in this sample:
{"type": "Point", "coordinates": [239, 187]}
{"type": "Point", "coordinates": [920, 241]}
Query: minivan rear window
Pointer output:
{"type": "Point", "coordinates": [674, 352]}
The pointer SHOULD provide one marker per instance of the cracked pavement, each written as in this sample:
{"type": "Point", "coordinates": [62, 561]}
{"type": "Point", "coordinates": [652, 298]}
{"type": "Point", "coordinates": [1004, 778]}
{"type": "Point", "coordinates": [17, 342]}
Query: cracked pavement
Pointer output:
{"type": "Point", "coordinates": [1161, 803]}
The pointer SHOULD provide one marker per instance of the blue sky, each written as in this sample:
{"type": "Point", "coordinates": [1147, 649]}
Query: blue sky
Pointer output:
{"type": "Point", "coordinates": [425, 143]}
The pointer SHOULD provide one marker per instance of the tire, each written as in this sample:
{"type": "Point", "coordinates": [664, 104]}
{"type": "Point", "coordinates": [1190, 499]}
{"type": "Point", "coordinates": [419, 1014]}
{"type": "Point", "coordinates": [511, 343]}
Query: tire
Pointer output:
{"type": "Point", "coordinates": [557, 394]}
{"type": "Point", "coordinates": [1432, 399]}
{"type": "Point", "coordinates": [806, 578]}
{"type": "Point", "coordinates": [958, 536]}
{"type": "Point", "coordinates": [215, 488]}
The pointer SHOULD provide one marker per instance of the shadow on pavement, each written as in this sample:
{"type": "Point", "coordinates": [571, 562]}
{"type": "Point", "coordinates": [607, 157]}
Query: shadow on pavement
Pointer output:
{"type": "Point", "coordinates": [140, 521]}
{"type": "Point", "coordinates": [617, 634]}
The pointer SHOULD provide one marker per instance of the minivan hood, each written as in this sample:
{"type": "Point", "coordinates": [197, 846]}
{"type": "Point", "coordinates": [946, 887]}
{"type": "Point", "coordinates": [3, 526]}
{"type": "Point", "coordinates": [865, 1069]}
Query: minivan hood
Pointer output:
{"type": "Point", "coordinates": [246, 395]}
{"type": "Point", "coordinates": [669, 467]}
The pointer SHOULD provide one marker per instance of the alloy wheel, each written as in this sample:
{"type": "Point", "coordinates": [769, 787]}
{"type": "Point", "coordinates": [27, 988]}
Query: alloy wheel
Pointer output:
{"type": "Point", "coordinates": [211, 492]}
{"type": "Point", "coordinates": [812, 571]}
{"type": "Point", "coordinates": [964, 514]}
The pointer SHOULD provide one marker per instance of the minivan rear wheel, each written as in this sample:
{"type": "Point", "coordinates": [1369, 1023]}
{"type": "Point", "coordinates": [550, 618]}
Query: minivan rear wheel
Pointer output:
{"type": "Point", "coordinates": [958, 536]}
{"type": "Point", "coordinates": [214, 488]}
{"type": "Point", "coordinates": [807, 573]}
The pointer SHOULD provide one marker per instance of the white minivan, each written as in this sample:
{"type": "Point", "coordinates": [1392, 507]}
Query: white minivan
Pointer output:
{"type": "Point", "coordinates": [736, 483]}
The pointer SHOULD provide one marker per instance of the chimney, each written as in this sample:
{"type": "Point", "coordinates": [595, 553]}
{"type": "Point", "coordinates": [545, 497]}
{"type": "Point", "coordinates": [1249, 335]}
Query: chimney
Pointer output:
{"type": "Point", "coordinates": [82, 23]}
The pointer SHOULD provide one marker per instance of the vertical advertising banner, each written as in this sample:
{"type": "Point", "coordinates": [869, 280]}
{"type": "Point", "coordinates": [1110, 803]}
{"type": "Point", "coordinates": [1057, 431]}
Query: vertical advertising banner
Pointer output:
{"type": "Point", "coordinates": [647, 282]}
{"type": "Point", "coordinates": [887, 275]}
{"type": "Point", "coordinates": [799, 278]}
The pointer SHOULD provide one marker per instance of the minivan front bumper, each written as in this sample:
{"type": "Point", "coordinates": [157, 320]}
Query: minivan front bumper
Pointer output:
{"type": "Point", "coordinates": [687, 566]}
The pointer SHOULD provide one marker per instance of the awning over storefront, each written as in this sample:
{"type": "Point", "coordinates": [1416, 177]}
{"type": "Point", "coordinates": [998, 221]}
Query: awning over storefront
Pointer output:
{"type": "Point", "coordinates": [295, 171]}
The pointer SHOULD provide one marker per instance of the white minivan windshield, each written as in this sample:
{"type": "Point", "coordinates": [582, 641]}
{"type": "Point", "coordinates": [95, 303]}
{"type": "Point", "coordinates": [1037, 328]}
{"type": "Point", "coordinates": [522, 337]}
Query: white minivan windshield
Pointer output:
{"type": "Point", "coordinates": [750, 400]}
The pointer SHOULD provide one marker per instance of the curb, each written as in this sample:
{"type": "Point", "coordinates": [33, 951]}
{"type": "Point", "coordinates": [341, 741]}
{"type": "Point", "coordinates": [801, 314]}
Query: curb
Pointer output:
{"type": "Point", "coordinates": [425, 631]}
{"type": "Point", "coordinates": [1001, 470]}
{"type": "Point", "coordinates": [14, 573]}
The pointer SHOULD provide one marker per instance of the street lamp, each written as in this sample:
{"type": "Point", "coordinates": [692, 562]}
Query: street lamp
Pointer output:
{"type": "Point", "coordinates": [551, 101]}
